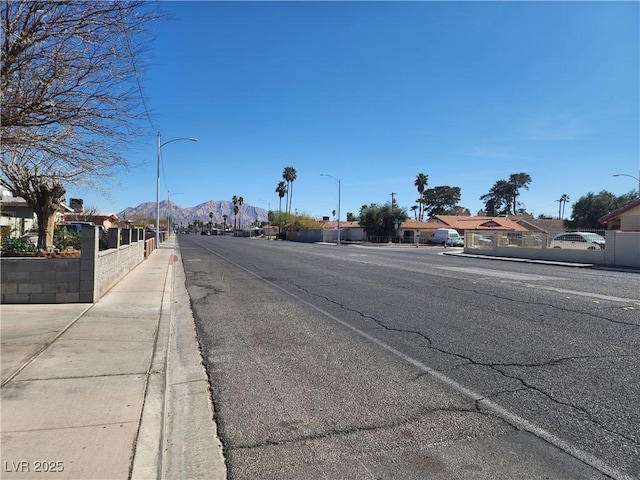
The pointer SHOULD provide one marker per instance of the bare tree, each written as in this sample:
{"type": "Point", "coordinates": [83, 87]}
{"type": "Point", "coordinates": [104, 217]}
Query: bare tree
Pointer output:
{"type": "Point", "coordinates": [70, 95]}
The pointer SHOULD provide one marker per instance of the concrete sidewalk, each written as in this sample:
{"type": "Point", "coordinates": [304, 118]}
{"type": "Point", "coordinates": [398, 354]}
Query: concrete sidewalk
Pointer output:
{"type": "Point", "coordinates": [111, 390]}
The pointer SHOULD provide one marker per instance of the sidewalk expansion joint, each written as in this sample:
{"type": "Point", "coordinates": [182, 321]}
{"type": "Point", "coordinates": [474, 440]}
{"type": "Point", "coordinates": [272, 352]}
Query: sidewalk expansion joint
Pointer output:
{"type": "Point", "coordinates": [74, 427]}
{"type": "Point", "coordinates": [189, 382]}
{"type": "Point", "coordinates": [106, 375]}
{"type": "Point", "coordinates": [45, 346]}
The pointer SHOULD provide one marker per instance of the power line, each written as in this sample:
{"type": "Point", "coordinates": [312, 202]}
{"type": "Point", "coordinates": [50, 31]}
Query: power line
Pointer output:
{"type": "Point", "coordinates": [137, 77]}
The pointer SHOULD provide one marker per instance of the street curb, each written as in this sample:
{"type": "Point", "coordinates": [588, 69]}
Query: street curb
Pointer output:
{"type": "Point", "coordinates": [177, 435]}
{"type": "Point", "coordinates": [191, 447]}
{"type": "Point", "coordinates": [147, 454]}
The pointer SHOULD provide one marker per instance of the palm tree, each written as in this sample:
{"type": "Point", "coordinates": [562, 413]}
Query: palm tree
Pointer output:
{"type": "Point", "coordinates": [281, 190]}
{"type": "Point", "coordinates": [210, 220]}
{"type": "Point", "coordinates": [224, 223]}
{"type": "Point", "coordinates": [240, 203]}
{"type": "Point", "coordinates": [234, 200]}
{"type": "Point", "coordinates": [421, 181]}
{"type": "Point", "coordinates": [413, 209]}
{"type": "Point", "coordinates": [290, 176]}
{"type": "Point", "coordinates": [235, 217]}
{"type": "Point", "coordinates": [563, 201]}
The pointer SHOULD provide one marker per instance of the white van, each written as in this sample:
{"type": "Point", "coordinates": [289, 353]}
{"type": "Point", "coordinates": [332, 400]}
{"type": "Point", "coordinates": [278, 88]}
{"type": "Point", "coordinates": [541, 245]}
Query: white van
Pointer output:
{"type": "Point", "coordinates": [446, 236]}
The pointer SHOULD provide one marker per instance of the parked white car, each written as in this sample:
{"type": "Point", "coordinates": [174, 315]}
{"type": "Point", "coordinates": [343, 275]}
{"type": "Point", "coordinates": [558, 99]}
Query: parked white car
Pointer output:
{"type": "Point", "coordinates": [578, 240]}
{"type": "Point", "coordinates": [478, 239]}
{"type": "Point", "coordinates": [446, 236]}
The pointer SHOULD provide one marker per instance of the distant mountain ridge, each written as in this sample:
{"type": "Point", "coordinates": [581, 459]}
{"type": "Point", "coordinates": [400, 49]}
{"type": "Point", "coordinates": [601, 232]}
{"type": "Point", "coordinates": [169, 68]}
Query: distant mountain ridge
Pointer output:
{"type": "Point", "coordinates": [248, 213]}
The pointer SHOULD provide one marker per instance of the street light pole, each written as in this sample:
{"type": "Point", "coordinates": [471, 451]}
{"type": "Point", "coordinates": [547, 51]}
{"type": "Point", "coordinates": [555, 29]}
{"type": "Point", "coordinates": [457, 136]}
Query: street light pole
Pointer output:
{"type": "Point", "coordinates": [637, 179]}
{"type": "Point", "coordinates": [339, 188]}
{"type": "Point", "coordinates": [169, 212]}
{"type": "Point", "coordinates": [160, 145]}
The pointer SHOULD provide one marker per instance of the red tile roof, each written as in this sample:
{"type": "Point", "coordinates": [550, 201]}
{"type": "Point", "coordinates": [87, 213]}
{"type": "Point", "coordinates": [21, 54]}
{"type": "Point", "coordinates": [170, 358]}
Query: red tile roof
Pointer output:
{"type": "Point", "coordinates": [616, 213]}
{"type": "Point", "coordinates": [462, 223]}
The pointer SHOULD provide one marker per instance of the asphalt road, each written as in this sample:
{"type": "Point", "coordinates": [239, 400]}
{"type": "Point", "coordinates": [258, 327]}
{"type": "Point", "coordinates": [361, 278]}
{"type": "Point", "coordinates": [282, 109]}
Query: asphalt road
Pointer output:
{"type": "Point", "coordinates": [400, 362]}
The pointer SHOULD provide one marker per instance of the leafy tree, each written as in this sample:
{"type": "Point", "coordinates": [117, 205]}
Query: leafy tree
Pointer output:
{"type": "Point", "coordinates": [590, 207]}
{"type": "Point", "coordinates": [441, 200]}
{"type": "Point", "coordinates": [458, 210]}
{"type": "Point", "coordinates": [304, 221]}
{"type": "Point", "coordinates": [420, 183]}
{"type": "Point", "coordinates": [498, 200]}
{"type": "Point", "coordinates": [351, 217]}
{"type": "Point", "coordinates": [518, 181]}
{"type": "Point", "coordinates": [378, 220]}
{"type": "Point", "coordinates": [502, 199]}
{"type": "Point", "coordinates": [69, 78]}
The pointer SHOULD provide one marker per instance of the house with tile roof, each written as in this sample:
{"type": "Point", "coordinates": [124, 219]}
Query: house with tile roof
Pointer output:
{"type": "Point", "coordinates": [411, 229]}
{"type": "Point", "coordinates": [540, 225]}
{"type": "Point", "coordinates": [626, 218]}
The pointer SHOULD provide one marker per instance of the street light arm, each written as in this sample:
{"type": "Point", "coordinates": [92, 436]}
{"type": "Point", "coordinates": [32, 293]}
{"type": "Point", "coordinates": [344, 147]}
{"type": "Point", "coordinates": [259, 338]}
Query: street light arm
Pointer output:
{"type": "Point", "coordinates": [626, 175]}
{"type": "Point", "coordinates": [190, 139]}
{"type": "Point", "coordinates": [637, 179]}
{"type": "Point", "coordinates": [330, 176]}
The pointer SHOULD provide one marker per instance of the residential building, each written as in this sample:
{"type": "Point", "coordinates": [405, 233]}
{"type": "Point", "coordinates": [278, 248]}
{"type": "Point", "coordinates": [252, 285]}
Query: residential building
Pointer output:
{"type": "Point", "coordinates": [626, 218]}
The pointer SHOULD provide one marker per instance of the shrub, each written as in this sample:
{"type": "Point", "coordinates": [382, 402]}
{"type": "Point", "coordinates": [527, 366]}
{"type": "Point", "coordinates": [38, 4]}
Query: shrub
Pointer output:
{"type": "Point", "coordinates": [103, 241]}
{"type": "Point", "coordinates": [64, 239]}
{"type": "Point", "coordinates": [17, 245]}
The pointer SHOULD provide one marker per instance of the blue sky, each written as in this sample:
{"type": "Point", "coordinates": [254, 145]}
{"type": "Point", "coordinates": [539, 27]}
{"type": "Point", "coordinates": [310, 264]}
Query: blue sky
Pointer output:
{"type": "Point", "coordinates": [374, 93]}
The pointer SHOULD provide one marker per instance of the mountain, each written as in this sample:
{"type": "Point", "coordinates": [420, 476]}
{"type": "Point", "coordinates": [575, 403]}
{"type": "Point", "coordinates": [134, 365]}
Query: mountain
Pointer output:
{"type": "Point", "coordinates": [147, 211]}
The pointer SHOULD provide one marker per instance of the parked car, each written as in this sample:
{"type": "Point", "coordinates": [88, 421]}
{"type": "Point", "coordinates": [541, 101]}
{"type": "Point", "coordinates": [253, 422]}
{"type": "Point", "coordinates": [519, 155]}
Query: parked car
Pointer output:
{"type": "Point", "coordinates": [205, 232]}
{"type": "Point", "coordinates": [481, 240]}
{"type": "Point", "coordinates": [446, 236]}
{"type": "Point", "coordinates": [77, 226]}
{"type": "Point", "coordinates": [578, 240]}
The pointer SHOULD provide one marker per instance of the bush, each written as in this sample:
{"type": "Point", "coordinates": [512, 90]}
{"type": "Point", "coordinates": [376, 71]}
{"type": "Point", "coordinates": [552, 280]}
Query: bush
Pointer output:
{"type": "Point", "coordinates": [64, 239]}
{"type": "Point", "coordinates": [17, 245]}
{"type": "Point", "coordinates": [103, 241]}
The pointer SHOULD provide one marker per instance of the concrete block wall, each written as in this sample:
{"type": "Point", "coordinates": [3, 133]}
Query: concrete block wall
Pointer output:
{"type": "Point", "coordinates": [71, 280]}
{"type": "Point", "coordinates": [113, 264]}
{"type": "Point", "coordinates": [40, 280]}
{"type": "Point", "coordinates": [622, 250]}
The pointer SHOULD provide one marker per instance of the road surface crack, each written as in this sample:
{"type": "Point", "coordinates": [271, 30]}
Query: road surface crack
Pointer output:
{"type": "Point", "coordinates": [353, 430]}
{"type": "Point", "coordinates": [498, 367]}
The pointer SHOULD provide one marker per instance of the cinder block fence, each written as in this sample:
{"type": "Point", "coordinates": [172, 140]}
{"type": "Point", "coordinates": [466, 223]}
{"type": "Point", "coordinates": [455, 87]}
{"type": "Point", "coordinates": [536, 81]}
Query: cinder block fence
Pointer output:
{"type": "Point", "coordinates": [75, 280]}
